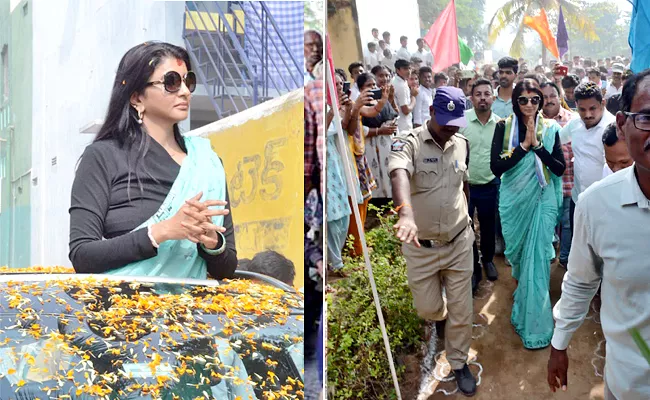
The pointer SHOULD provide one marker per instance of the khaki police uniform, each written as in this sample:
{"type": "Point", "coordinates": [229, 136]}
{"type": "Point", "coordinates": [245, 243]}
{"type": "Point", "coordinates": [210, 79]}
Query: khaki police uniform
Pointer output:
{"type": "Point", "coordinates": [441, 215]}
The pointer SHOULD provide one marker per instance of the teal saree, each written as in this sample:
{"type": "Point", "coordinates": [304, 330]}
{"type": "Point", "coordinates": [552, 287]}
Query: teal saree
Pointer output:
{"type": "Point", "coordinates": [529, 205]}
{"type": "Point", "coordinates": [202, 171]}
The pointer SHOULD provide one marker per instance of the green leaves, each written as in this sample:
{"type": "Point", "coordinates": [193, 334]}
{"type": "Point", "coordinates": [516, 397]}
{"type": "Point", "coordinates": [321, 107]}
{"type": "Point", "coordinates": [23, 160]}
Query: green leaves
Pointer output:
{"type": "Point", "coordinates": [643, 346]}
{"type": "Point", "coordinates": [357, 363]}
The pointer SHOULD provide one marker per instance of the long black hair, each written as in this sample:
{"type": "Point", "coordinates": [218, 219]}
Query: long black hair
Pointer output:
{"type": "Point", "coordinates": [121, 122]}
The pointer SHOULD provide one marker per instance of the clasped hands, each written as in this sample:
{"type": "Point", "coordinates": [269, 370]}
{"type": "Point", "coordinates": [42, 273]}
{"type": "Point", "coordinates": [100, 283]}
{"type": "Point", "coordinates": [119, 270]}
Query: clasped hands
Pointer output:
{"type": "Point", "coordinates": [193, 221]}
{"type": "Point", "coordinates": [531, 135]}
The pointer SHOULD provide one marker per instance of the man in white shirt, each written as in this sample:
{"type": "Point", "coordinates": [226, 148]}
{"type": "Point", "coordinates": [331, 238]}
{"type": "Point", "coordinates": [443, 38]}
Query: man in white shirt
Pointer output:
{"type": "Point", "coordinates": [616, 84]}
{"type": "Point", "coordinates": [594, 76]}
{"type": "Point", "coordinates": [355, 69]}
{"type": "Point", "coordinates": [610, 249]}
{"type": "Point", "coordinates": [424, 99]}
{"type": "Point", "coordinates": [404, 95]}
{"type": "Point", "coordinates": [423, 54]}
{"type": "Point", "coordinates": [386, 37]}
{"type": "Point", "coordinates": [616, 155]}
{"type": "Point", "coordinates": [585, 135]}
{"type": "Point", "coordinates": [403, 53]}
{"type": "Point", "coordinates": [375, 35]}
{"type": "Point", "coordinates": [371, 59]}
{"type": "Point", "coordinates": [380, 53]}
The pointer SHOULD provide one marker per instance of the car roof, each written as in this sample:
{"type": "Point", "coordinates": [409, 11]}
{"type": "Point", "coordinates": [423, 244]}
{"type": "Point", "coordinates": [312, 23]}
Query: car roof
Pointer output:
{"type": "Point", "coordinates": [90, 315]}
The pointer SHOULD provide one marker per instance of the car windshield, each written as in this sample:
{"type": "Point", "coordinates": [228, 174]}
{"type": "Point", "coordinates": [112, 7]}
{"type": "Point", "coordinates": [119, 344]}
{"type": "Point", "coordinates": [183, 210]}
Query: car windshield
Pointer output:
{"type": "Point", "coordinates": [81, 337]}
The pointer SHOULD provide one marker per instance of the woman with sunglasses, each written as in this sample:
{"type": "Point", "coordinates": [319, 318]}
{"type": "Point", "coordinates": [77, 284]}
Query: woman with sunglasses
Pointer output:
{"type": "Point", "coordinates": [527, 156]}
{"type": "Point", "coordinates": [147, 200]}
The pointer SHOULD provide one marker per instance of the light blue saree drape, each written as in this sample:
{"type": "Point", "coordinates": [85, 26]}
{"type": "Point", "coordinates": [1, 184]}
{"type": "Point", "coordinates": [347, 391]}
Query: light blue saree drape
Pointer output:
{"type": "Point", "coordinates": [202, 171]}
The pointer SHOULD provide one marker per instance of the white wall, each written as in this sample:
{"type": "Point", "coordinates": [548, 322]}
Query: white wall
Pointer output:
{"type": "Point", "coordinates": [400, 18]}
{"type": "Point", "coordinates": [77, 47]}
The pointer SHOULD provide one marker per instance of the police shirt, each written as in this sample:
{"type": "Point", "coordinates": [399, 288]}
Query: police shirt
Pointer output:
{"type": "Point", "coordinates": [437, 176]}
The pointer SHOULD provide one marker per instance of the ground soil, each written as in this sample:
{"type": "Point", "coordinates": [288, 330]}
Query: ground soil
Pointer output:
{"type": "Point", "coordinates": [508, 370]}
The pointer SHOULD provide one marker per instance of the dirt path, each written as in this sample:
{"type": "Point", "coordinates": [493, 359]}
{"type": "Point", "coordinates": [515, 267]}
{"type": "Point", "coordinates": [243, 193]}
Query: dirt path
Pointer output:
{"type": "Point", "coordinates": [507, 370]}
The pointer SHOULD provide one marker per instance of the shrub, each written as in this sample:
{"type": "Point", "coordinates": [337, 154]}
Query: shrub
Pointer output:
{"type": "Point", "coordinates": [356, 358]}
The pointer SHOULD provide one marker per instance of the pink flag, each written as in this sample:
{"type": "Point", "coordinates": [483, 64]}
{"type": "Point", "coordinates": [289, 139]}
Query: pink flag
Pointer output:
{"type": "Point", "coordinates": [331, 100]}
{"type": "Point", "coordinates": [442, 39]}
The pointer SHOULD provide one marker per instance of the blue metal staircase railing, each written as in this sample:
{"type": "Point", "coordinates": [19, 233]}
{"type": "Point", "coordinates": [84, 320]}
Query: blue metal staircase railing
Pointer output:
{"type": "Point", "coordinates": [215, 37]}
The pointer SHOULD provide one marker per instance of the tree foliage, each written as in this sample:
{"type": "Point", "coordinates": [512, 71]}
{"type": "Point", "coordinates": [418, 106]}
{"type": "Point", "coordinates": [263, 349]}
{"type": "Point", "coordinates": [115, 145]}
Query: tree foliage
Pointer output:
{"type": "Point", "coordinates": [512, 14]}
{"type": "Point", "coordinates": [469, 18]}
{"type": "Point", "coordinates": [612, 28]}
{"type": "Point", "coordinates": [314, 15]}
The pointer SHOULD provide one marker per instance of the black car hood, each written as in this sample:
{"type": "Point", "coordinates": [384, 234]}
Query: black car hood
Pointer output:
{"type": "Point", "coordinates": [94, 338]}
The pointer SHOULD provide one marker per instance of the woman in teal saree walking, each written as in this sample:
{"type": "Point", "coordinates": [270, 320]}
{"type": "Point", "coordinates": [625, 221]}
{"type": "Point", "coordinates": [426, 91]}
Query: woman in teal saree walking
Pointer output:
{"type": "Point", "coordinates": [527, 155]}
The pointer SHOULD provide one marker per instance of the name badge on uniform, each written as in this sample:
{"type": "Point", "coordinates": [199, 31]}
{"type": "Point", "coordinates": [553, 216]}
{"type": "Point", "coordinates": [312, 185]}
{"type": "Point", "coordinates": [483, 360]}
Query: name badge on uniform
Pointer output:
{"type": "Point", "coordinates": [431, 160]}
{"type": "Point", "coordinates": [398, 145]}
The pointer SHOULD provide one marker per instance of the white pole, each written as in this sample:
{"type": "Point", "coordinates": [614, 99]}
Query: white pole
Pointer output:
{"type": "Point", "coordinates": [342, 141]}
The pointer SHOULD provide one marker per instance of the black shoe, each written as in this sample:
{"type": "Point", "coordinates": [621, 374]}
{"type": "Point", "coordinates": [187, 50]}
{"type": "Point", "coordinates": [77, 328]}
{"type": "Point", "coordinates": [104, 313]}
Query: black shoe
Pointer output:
{"type": "Point", "coordinates": [491, 271]}
{"type": "Point", "coordinates": [440, 329]}
{"type": "Point", "coordinates": [465, 381]}
{"type": "Point", "coordinates": [476, 279]}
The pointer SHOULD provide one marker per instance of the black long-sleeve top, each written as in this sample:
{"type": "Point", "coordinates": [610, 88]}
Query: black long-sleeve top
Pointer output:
{"type": "Point", "coordinates": [554, 161]}
{"type": "Point", "coordinates": [100, 208]}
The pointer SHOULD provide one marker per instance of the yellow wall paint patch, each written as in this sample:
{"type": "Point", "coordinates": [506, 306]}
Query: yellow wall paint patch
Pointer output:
{"type": "Point", "coordinates": [262, 152]}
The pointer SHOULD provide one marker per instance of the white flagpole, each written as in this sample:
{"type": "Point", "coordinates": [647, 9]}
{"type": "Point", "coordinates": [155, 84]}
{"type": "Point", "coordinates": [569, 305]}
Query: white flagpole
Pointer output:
{"type": "Point", "coordinates": [342, 142]}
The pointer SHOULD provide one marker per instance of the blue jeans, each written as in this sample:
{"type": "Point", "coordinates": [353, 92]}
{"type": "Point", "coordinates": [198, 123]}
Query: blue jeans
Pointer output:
{"type": "Point", "coordinates": [566, 233]}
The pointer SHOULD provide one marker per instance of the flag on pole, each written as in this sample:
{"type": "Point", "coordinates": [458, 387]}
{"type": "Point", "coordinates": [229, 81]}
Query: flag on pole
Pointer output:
{"type": "Point", "coordinates": [639, 38]}
{"type": "Point", "coordinates": [540, 25]}
{"type": "Point", "coordinates": [465, 52]}
{"type": "Point", "coordinates": [442, 39]}
{"type": "Point", "coordinates": [331, 100]}
{"type": "Point", "coordinates": [562, 35]}
{"type": "Point", "coordinates": [342, 144]}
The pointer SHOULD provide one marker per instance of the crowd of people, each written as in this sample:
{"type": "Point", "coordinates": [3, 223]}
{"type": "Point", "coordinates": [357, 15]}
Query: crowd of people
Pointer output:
{"type": "Point", "coordinates": [543, 155]}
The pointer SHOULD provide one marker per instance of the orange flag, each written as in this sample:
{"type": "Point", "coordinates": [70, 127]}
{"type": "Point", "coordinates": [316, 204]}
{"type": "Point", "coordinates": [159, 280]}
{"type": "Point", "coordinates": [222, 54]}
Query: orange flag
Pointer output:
{"type": "Point", "coordinates": [540, 25]}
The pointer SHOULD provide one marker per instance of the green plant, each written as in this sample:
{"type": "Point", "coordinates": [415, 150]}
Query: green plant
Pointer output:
{"type": "Point", "coordinates": [643, 346]}
{"type": "Point", "coordinates": [357, 362]}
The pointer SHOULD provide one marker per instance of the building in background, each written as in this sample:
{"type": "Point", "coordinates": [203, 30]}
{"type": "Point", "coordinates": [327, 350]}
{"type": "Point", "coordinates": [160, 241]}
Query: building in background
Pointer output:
{"type": "Point", "coordinates": [58, 65]}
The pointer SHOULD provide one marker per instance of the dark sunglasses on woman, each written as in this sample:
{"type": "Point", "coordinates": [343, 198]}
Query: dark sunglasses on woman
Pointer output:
{"type": "Point", "coordinates": [523, 100]}
{"type": "Point", "coordinates": [172, 81]}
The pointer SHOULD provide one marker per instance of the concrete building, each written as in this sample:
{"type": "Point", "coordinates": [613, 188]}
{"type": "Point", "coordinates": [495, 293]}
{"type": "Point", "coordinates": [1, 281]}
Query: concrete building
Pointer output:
{"type": "Point", "coordinates": [58, 64]}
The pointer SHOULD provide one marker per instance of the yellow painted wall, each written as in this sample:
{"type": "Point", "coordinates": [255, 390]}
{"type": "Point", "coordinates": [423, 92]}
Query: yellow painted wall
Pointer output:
{"type": "Point", "coordinates": [262, 152]}
{"type": "Point", "coordinates": [343, 31]}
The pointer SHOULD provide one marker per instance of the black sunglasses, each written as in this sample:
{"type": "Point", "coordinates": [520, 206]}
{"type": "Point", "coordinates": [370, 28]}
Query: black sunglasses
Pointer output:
{"type": "Point", "coordinates": [172, 81]}
{"type": "Point", "coordinates": [641, 121]}
{"type": "Point", "coordinates": [523, 100]}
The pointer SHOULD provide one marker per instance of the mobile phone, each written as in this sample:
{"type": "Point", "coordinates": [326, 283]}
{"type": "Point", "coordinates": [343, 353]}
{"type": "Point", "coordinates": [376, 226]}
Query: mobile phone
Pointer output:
{"type": "Point", "coordinates": [346, 88]}
{"type": "Point", "coordinates": [376, 94]}
{"type": "Point", "coordinates": [562, 70]}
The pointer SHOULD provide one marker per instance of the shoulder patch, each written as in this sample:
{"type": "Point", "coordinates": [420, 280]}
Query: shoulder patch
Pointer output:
{"type": "Point", "coordinates": [397, 145]}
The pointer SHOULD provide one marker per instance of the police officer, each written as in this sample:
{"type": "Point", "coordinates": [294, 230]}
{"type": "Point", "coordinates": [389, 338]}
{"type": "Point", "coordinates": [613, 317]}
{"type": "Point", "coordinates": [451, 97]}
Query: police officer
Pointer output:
{"type": "Point", "coordinates": [428, 169]}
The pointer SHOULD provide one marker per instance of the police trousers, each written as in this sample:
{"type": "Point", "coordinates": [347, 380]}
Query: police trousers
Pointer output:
{"type": "Point", "coordinates": [451, 266]}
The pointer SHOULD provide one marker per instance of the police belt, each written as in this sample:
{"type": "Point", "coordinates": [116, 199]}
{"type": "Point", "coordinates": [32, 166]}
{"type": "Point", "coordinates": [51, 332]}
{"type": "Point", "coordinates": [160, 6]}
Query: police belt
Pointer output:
{"type": "Point", "coordinates": [431, 244]}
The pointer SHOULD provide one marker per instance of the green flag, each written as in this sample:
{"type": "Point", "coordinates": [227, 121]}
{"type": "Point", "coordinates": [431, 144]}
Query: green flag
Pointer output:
{"type": "Point", "coordinates": [465, 52]}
